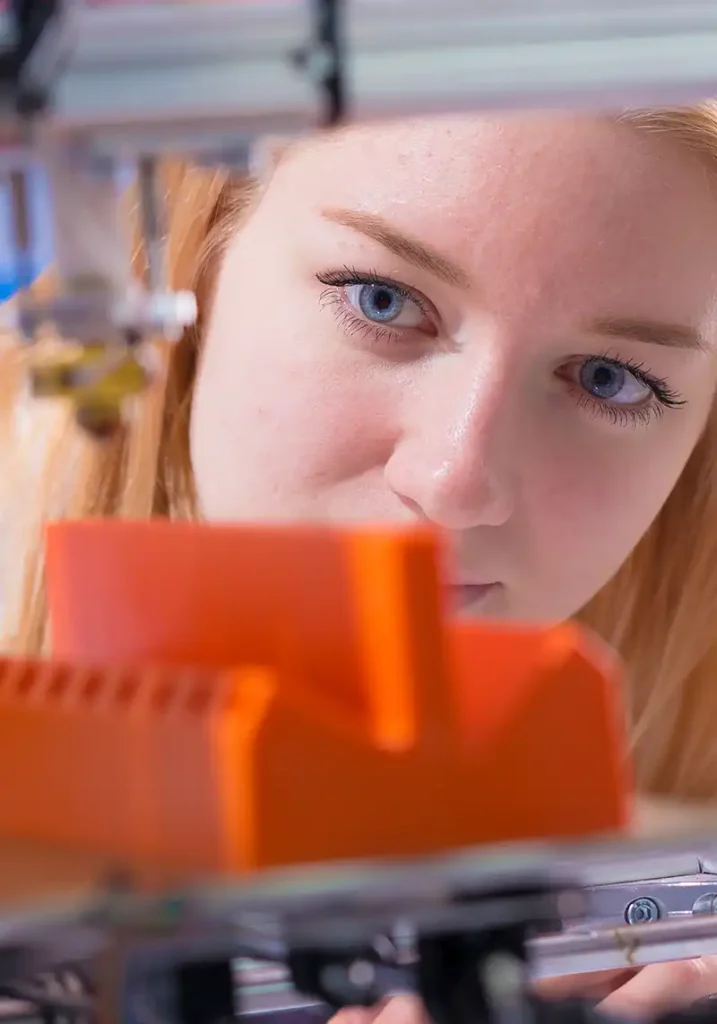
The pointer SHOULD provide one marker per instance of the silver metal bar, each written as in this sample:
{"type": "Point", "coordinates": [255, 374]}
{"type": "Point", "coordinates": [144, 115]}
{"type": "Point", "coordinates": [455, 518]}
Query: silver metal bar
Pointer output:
{"type": "Point", "coordinates": [261, 911]}
{"type": "Point", "coordinates": [374, 883]}
{"type": "Point", "coordinates": [628, 946]}
{"type": "Point", "coordinates": [226, 67]}
{"type": "Point", "coordinates": [421, 57]}
{"type": "Point", "coordinates": [654, 899]}
{"type": "Point", "coordinates": [22, 225]}
{"type": "Point", "coordinates": [226, 64]}
{"type": "Point", "coordinates": [267, 986]}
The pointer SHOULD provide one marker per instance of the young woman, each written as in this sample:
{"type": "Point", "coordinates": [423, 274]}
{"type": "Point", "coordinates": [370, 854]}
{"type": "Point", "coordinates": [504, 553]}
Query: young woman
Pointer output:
{"type": "Point", "coordinates": [504, 326]}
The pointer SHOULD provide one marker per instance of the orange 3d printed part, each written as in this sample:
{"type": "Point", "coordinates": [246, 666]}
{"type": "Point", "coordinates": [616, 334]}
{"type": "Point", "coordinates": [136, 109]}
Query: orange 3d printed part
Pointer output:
{"type": "Point", "coordinates": [225, 699]}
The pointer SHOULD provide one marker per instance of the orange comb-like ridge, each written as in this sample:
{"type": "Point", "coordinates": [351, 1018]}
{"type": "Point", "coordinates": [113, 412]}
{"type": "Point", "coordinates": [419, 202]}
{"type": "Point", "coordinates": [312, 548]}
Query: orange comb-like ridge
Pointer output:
{"type": "Point", "coordinates": [229, 699]}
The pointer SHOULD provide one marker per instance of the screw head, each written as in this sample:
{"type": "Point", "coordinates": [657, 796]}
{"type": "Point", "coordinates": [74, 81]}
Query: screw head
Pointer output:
{"type": "Point", "coordinates": [642, 911]}
{"type": "Point", "coordinates": [362, 974]}
{"type": "Point", "coordinates": [349, 983]}
{"type": "Point", "coordinates": [705, 904]}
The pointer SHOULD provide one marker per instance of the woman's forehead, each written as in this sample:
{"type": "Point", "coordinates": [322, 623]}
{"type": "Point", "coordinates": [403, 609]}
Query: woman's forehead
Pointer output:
{"type": "Point", "coordinates": [468, 159]}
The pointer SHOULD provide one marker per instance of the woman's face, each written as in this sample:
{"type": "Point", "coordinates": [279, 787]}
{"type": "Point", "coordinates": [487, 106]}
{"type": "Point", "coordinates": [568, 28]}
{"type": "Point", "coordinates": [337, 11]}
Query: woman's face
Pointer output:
{"type": "Point", "coordinates": [504, 327]}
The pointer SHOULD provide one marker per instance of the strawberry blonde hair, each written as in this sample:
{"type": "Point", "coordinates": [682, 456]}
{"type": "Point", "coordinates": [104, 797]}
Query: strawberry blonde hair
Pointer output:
{"type": "Point", "coordinates": [659, 612]}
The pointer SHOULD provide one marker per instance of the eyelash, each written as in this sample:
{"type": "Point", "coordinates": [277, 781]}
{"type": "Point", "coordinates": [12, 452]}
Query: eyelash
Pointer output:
{"type": "Point", "coordinates": [666, 397]}
{"type": "Point", "coordinates": [335, 280]}
{"type": "Point", "coordinates": [338, 279]}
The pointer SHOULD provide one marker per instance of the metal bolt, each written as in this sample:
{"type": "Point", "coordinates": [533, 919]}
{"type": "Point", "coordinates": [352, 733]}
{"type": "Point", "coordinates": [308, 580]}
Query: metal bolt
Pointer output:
{"type": "Point", "coordinates": [642, 911]}
{"type": "Point", "coordinates": [317, 60]}
{"type": "Point", "coordinates": [362, 974]}
{"type": "Point", "coordinates": [333, 975]}
{"type": "Point", "coordinates": [347, 982]}
{"type": "Point", "coordinates": [706, 904]}
{"type": "Point", "coordinates": [504, 977]}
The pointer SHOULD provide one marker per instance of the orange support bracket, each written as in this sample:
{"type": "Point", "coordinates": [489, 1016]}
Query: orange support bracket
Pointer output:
{"type": "Point", "coordinates": [261, 697]}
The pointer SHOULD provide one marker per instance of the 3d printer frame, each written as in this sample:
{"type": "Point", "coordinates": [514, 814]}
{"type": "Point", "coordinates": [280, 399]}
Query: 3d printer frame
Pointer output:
{"type": "Point", "coordinates": [83, 90]}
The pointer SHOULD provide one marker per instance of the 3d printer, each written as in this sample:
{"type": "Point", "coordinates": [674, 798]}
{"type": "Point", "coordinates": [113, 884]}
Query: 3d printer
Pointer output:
{"type": "Point", "coordinates": [194, 853]}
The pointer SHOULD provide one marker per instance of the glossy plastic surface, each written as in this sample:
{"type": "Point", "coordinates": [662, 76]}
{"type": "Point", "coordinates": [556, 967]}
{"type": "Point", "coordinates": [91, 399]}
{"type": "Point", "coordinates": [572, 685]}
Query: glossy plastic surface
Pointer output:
{"type": "Point", "coordinates": [228, 699]}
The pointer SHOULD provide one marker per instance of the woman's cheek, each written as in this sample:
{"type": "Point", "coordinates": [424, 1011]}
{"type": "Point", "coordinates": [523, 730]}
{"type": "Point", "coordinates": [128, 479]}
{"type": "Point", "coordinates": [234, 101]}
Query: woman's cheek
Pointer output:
{"type": "Point", "coordinates": [272, 437]}
{"type": "Point", "coordinates": [585, 508]}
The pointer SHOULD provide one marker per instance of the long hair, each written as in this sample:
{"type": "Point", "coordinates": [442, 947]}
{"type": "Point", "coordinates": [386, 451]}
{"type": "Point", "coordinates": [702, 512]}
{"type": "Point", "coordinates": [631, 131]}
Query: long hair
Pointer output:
{"type": "Point", "coordinates": [659, 612]}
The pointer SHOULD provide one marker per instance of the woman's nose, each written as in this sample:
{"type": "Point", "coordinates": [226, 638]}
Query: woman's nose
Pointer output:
{"type": "Point", "coordinates": [451, 466]}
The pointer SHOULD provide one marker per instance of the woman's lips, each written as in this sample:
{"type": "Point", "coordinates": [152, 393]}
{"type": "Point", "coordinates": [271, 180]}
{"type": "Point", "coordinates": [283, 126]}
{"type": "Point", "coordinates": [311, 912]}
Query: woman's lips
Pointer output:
{"type": "Point", "coordinates": [464, 597]}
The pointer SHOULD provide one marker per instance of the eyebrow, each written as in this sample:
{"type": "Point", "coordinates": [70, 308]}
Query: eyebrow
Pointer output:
{"type": "Point", "coordinates": [650, 332]}
{"type": "Point", "coordinates": [401, 245]}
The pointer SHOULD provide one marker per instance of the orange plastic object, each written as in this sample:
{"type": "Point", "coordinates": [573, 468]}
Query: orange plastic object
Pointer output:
{"type": "Point", "coordinates": [330, 712]}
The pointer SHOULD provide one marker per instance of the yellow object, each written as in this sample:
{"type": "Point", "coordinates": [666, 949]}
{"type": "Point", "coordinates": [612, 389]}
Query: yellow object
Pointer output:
{"type": "Point", "coordinates": [97, 380]}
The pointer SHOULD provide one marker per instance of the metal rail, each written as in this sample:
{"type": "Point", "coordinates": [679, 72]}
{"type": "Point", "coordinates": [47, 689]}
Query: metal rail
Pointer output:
{"type": "Point", "coordinates": [185, 74]}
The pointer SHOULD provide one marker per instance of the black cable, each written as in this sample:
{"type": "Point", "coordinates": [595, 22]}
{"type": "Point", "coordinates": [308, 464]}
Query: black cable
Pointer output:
{"type": "Point", "coordinates": [329, 36]}
{"type": "Point", "coordinates": [31, 18]}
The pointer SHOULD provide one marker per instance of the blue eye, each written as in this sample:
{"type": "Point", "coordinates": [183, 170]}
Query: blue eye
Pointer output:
{"type": "Point", "coordinates": [384, 304]}
{"type": "Point", "coordinates": [611, 382]}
